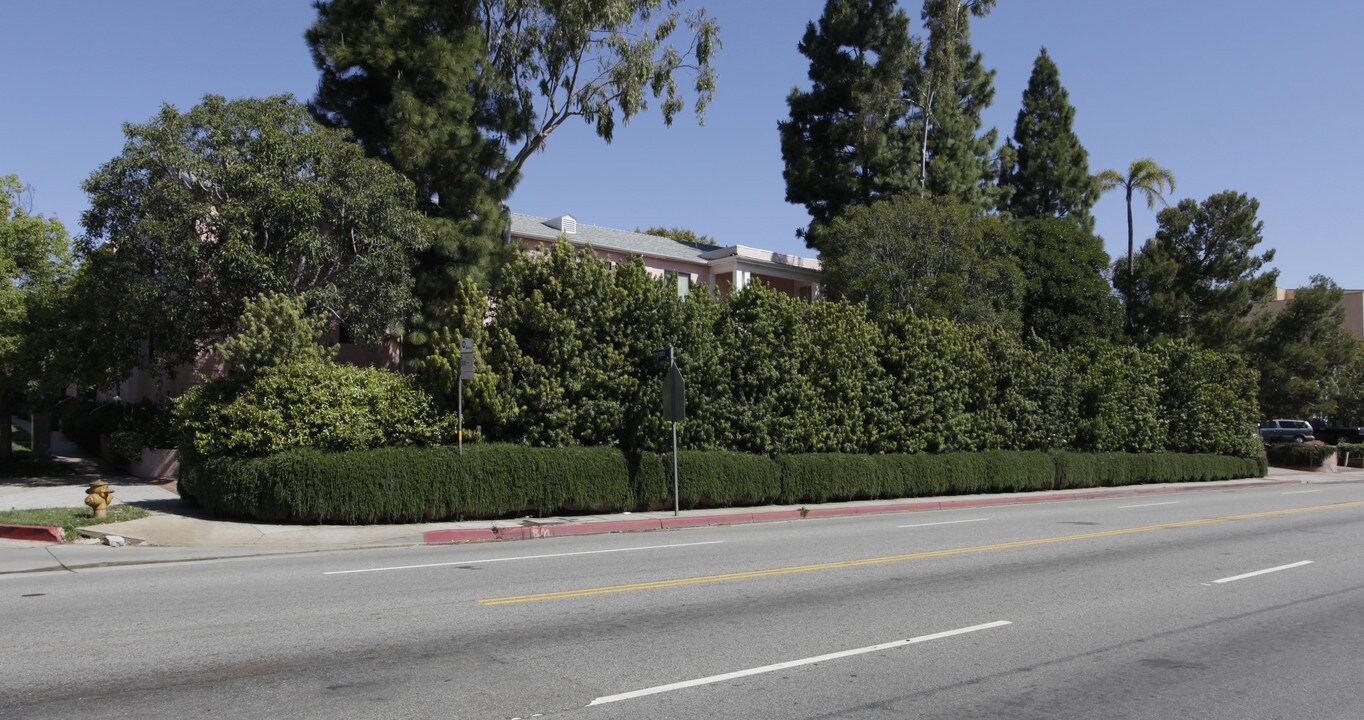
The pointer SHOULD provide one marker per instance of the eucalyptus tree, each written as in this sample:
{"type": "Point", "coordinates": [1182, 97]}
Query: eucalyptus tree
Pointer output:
{"type": "Point", "coordinates": [947, 89]}
{"type": "Point", "coordinates": [459, 95]}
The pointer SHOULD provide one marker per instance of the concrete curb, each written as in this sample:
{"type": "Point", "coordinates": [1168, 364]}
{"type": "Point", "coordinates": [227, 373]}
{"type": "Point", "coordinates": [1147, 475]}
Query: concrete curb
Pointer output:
{"type": "Point", "coordinates": [40, 533]}
{"type": "Point", "coordinates": [531, 532]}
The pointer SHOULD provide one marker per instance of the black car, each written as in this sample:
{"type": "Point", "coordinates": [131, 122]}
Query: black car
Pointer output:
{"type": "Point", "coordinates": [1336, 434]}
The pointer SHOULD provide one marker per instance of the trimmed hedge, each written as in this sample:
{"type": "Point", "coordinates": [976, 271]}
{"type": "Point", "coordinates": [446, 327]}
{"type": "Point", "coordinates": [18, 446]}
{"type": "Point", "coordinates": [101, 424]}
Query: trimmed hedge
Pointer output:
{"type": "Point", "coordinates": [412, 484]}
{"type": "Point", "coordinates": [1298, 455]}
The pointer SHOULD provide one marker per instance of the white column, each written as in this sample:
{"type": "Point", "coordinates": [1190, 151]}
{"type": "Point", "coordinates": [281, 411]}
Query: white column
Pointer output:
{"type": "Point", "coordinates": [740, 279]}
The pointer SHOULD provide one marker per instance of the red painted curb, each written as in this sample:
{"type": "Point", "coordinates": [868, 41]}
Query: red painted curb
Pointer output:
{"type": "Point", "coordinates": [41, 533]}
{"type": "Point", "coordinates": [440, 537]}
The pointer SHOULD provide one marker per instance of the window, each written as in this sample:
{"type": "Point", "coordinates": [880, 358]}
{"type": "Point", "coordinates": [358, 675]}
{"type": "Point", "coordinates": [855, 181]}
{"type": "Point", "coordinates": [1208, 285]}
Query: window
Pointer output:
{"type": "Point", "coordinates": [682, 279]}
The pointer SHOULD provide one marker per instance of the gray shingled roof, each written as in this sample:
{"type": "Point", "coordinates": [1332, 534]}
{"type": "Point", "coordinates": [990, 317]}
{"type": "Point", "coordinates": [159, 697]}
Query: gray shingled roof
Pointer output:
{"type": "Point", "coordinates": [611, 239]}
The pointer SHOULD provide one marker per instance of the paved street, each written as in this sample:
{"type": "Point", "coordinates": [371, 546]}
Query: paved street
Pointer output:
{"type": "Point", "coordinates": [1221, 604]}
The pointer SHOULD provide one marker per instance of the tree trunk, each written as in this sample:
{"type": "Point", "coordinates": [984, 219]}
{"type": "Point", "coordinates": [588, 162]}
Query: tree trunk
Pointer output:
{"type": "Point", "coordinates": [1129, 234]}
{"type": "Point", "coordinates": [6, 430]}
{"type": "Point", "coordinates": [1127, 296]}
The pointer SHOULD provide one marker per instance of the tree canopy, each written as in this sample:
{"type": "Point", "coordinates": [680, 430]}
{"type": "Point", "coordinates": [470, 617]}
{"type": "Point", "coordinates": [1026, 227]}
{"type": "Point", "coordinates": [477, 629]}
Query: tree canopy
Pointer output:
{"type": "Point", "coordinates": [1300, 350]}
{"type": "Point", "coordinates": [948, 89]}
{"type": "Point", "coordinates": [846, 142]}
{"type": "Point", "coordinates": [1067, 299]}
{"type": "Point", "coordinates": [889, 114]}
{"type": "Point", "coordinates": [35, 264]}
{"type": "Point", "coordinates": [679, 234]}
{"type": "Point", "coordinates": [459, 95]}
{"type": "Point", "coordinates": [927, 257]}
{"type": "Point", "coordinates": [1198, 277]}
{"type": "Point", "coordinates": [232, 199]}
{"type": "Point", "coordinates": [1049, 173]}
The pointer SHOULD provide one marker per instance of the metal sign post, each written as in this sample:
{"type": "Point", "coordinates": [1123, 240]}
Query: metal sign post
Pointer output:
{"type": "Point", "coordinates": [466, 372]}
{"type": "Point", "coordinates": [675, 410]}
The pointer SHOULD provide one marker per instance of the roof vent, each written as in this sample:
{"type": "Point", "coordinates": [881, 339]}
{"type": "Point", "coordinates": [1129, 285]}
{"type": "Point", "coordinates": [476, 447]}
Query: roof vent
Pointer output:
{"type": "Point", "coordinates": [564, 223]}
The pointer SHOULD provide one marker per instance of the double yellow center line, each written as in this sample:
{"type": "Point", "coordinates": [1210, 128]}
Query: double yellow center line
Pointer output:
{"type": "Point", "coordinates": [703, 579]}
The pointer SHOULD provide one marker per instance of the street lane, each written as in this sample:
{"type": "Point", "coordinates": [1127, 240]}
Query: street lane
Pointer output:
{"type": "Point", "coordinates": [257, 635]}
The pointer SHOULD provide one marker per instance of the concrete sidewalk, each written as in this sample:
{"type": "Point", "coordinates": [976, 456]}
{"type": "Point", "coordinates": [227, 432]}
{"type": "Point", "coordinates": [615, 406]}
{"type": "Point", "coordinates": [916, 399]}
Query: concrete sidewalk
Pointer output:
{"type": "Point", "coordinates": [175, 533]}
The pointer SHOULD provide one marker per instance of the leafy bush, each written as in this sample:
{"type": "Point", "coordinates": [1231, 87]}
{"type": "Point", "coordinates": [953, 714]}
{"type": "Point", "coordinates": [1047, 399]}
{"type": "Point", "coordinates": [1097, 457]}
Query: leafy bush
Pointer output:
{"type": "Point", "coordinates": [276, 329]}
{"type": "Point", "coordinates": [566, 360]}
{"type": "Point", "coordinates": [309, 404]}
{"type": "Point", "coordinates": [1298, 455]}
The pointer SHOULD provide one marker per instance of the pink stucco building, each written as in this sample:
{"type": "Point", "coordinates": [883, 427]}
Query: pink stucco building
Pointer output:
{"type": "Point", "coordinates": [725, 269]}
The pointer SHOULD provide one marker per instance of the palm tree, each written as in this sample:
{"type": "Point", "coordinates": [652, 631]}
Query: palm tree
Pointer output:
{"type": "Point", "coordinates": [1143, 175]}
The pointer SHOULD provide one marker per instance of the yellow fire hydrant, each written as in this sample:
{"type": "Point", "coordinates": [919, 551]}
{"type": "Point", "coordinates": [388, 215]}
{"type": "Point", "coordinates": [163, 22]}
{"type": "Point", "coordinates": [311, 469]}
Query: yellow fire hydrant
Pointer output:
{"type": "Point", "coordinates": [98, 497]}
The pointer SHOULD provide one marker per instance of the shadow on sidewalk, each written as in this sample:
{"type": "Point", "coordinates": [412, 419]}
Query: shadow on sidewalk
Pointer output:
{"type": "Point", "coordinates": [174, 506]}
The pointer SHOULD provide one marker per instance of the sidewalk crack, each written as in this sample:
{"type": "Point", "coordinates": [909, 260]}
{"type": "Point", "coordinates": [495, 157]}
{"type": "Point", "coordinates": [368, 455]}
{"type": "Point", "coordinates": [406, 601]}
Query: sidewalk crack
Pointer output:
{"type": "Point", "coordinates": [59, 561]}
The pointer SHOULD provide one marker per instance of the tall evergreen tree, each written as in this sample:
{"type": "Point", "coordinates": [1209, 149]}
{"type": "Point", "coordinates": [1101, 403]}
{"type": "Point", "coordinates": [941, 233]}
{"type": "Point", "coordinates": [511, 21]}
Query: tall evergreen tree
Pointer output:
{"type": "Point", "coordinates": [844, 144]}
{"type": "Point", "coordinates": [948, 88]}
{"type": "Point", "coordinates": [1198, 277]}
{"type": "Point", "coordinates": [1066, 296]}
{"type": "Point", "coordinates": [459, 94]}
{"type": "Point", "coordinates": [405, 79]}
{"type": "Point", "coordinates": [1049, 176]}
{"type": "Point", "coordinates": [1301, 350]}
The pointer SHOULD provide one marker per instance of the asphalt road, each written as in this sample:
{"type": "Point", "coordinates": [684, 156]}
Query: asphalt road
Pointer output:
{"type": "Point", "coordinates": [1151, 607]}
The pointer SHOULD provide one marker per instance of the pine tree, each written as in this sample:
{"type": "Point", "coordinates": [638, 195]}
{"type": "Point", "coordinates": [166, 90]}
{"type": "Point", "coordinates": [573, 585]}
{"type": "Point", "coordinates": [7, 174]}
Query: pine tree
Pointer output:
{"type": "Point", "coordinates": [844, 144]}
{"type": "Point", "coordinates": [404, 78]}
{"type": "Point", "coordinates": [1198, 277]}
{"type": "Point", "coordinates": [458, 95]}
{"type": "Point", "coordinates": [1050, 175]}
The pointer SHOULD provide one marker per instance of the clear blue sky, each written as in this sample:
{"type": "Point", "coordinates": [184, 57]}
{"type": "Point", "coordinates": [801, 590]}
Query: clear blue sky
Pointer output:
{"type": "Point", "coordinates": [1229, 94]}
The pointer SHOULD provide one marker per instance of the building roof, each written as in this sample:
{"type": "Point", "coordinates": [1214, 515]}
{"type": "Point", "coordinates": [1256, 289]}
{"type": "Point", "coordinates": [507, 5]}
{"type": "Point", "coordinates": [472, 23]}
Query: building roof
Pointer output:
{"type": "Point", "coordinates": [633, 243]}
{"type": "Point", "coordinates": [604, 238]}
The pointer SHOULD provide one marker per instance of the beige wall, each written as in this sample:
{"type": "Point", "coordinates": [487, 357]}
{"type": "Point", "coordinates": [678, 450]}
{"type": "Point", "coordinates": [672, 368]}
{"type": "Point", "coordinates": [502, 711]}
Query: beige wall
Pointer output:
{"type": "Point", "coordinates": [1352, 302]}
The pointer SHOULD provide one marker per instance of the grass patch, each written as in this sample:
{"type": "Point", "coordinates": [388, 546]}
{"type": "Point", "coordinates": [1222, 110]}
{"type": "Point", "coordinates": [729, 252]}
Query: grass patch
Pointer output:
{"type": "Point", "coordinates": [68, 519]}
{"type": "Point", "coordinates": [20, 442]}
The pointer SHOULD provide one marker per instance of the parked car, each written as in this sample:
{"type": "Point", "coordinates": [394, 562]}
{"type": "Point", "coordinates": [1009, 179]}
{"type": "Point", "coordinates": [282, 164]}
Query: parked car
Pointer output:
{"type": "Point", "coordinates": [1335, 434]}
{"type": "Point", "coordinates": [1286, 430]}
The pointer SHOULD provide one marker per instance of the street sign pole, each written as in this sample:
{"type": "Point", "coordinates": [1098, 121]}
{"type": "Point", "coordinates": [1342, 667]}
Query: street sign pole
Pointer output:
{"type": "Point", "coordinates": [466, 372]}
{"type": "Point", "coordinates": [676, 501]}
{"type": "Point", "coordinates": [674, 410]}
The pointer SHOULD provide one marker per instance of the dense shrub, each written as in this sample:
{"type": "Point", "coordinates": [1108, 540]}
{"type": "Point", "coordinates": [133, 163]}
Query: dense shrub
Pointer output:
{"type": "Point", "coordinates": [1298, 455]}
{"type": "Point", "coordinates": [821, 477]}
{"type": "Point", "coordinates": [709, 478]}
{"type": "Point", "coordinates": [1205, 400]}
{"type": "Point", "coordinates": [1075, 470]}
{"type": "Point", "coordinates": [310, 404]}
{"type": "Point", "coordinates": [411, 484]}
{"type": "Point", "coordinates": [566, 360]}
{"type": "Point", "coordinates": [497, 480]}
